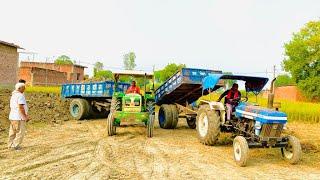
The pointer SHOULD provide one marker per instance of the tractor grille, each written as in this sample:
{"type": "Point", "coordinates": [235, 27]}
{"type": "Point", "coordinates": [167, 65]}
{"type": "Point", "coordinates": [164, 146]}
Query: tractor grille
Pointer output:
{"type": "Point", "coordinates": [271, 130]}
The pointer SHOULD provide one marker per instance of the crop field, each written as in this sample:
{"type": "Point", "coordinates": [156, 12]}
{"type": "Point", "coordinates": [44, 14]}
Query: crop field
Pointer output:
{"type": "Point", "coordinates": [44, 89]}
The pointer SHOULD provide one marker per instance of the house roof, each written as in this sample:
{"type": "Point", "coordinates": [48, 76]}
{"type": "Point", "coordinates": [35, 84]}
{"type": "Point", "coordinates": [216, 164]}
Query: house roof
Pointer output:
{"type": "Point", "coordinates": [10, 44]}
{"type": "Point", "coordinates": [135, 73]}
{"type": "Point", "coordinates": [39, 62]}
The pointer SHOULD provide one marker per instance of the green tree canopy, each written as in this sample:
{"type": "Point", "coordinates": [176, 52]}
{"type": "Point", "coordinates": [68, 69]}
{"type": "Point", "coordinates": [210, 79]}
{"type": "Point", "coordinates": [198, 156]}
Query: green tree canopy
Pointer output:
{"type": "Point", "coordinates": [166, 72]}
{"type": "Point", "coordinates": [103, 75]}
{"type": "Point", "coordinates": [98, 66]}
{"type": "Point", "coordinates": [129, 61]}
{"type": "Point", "coordinates": [284, 80]}
{"type": "Point", "coordinates": [63, 59]}
{"type": "Point", "coordinates": [302, 59]}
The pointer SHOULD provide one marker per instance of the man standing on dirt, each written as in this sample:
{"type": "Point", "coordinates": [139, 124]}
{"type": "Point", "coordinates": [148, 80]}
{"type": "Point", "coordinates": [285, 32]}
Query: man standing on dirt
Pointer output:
{"type": "Point", "coordinates": [18, 117]}
{"type": "Point", "coordinates": [133, 88]}
{"type": "Point", "coordinates": [232, 99]}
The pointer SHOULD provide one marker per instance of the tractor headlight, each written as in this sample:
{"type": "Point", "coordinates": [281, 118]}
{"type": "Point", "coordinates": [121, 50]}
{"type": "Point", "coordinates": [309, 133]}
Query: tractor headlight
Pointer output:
{"type": "Point", "coordinates": [257, 125]}
{"type": "Point", "coordinates": [285, 126]}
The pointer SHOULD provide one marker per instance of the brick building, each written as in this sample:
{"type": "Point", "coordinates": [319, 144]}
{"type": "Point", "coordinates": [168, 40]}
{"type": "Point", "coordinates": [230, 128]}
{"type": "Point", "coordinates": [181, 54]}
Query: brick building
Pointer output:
{"type": "Point", "coordinates": [39, 73]}
{"type": "Point", "coordinates": [288, 93]}
{"type": "Point", "coordinates": [9, 59]}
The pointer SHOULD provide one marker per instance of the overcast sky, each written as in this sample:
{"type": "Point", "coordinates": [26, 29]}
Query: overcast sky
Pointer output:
{"type": "Point", "coordinates": [243, 36]}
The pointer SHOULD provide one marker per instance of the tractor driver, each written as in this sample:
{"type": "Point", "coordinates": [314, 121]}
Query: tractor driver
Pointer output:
{"type": "Point", "coordinates": [133, 88]}
{"type": "Point", "coordinates": [232, 99]}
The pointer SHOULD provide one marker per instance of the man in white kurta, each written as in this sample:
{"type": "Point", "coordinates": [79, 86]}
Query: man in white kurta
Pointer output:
{"type": "Point", "coordinates": [18, 117]}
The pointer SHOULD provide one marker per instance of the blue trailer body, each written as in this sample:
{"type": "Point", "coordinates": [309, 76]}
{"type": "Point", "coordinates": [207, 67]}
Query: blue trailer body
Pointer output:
{"type": "Point", "coordinates": [92, 89]}
{"type": "Point", "coordinates": [184, 86]}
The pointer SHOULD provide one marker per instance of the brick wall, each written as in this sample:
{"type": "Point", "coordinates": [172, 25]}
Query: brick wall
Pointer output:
{"type": "Point", "coordinates": [287, 92]}
{"type": "Point", "coordinates": [75, 73]}
{"type": "Point", "coordinates": [8, 65]}
{"type": "Point", "coordinates": [39, 76]}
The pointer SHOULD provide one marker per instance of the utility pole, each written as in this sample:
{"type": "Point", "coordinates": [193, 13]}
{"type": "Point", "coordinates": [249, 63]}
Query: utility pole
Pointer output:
{"type": "Point", "coordinates": [274, 71]}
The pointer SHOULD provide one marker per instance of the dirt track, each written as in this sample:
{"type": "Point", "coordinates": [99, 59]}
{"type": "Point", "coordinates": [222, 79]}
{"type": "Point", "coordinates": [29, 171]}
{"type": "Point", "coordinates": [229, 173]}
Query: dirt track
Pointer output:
{"type": "Point", "coordinates": [82, 150]}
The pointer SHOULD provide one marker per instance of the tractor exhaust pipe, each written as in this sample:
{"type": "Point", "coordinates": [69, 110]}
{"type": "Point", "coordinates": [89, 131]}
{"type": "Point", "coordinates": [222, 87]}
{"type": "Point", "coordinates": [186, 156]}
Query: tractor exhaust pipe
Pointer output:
{"type": "Point", "coordinates": [271, 94]}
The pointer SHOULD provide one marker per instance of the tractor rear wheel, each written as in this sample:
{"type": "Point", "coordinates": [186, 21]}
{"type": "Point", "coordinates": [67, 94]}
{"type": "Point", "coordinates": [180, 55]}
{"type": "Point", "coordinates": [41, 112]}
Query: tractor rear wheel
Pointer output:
{"type": "Point", "coordinates": [79, 108]}
{"type": "Point", "coordinates": [175, 116]}
{"type": "Point", "coordinates": [110, 125]}
{"type": "Point", "coordinates": [292, 153]}
{"type": "Point", "coordinates": [165, 116]}
{"type": "Point", "coordinates": [191, 121]}
{"type": "Point", "coordinates": [208, 125]}
{"type": "Point", "coordinates": [240, 151]}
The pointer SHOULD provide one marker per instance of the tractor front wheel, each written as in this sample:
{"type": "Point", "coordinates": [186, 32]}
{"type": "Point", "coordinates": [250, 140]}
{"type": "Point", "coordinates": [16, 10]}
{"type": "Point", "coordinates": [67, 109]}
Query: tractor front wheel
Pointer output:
{"type": "Point", "coordinates": [150, 126]}
{"type": "Point", "coordinates": [208, 125]}
{"type": "Point", "coordinates": [110, 125]}
{"type": "Point", "coordinates": [240, 151]}
{"type": "Point", "coordinates": [292, 153]}
{"type": "Point", "coordinates": [191, 121]}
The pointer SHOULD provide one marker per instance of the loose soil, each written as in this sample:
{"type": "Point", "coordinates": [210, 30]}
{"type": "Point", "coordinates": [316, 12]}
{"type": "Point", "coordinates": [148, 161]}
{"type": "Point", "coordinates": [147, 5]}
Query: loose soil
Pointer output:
{"type": "Point", "coordinates": [82, 150]}
{"type": "Point", "coordinates": [43, 107]}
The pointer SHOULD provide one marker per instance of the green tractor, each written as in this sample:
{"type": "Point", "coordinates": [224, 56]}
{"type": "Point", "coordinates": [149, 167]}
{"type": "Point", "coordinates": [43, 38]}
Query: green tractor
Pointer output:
{"type": "Point", "coordinates": [132, 107]}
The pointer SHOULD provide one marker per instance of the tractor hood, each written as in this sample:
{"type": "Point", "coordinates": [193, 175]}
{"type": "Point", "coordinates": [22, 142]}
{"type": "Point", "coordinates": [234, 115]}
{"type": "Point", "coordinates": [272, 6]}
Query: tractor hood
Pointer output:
{"type": "Point", "coordinates": [261, 114]}
{"type": "Point", "coordinates": [252, 83]}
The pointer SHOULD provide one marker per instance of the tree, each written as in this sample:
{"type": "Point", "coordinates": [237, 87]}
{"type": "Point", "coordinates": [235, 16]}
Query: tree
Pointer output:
{"type": "Point", "coordinates": [229, 82]}
{"type": "Point", "coordinates": [168, 71]}
{"type": "Point", "coordinates": [302, 59]}
{"type": "Point", "coordinates": [98, 66]}
{"type": "Point", "coordinates": [284, 80]}
{"type": "Point", "coordinates": [129, 61]}
{"type": "Point", "coordinates": [63, 59]}
{"type": "Point", "coordinates": [103, 75]}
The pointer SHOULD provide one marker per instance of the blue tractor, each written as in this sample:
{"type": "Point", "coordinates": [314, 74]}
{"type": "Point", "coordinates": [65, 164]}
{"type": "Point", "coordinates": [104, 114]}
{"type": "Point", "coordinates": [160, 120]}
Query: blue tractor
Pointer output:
{"type": "Point", "coordinates": [252, 125]}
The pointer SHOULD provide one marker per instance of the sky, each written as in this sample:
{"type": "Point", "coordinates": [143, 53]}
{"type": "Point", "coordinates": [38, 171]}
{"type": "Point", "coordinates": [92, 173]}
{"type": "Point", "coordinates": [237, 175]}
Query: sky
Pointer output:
{"type": "Point", "coordinates": [239, 36]}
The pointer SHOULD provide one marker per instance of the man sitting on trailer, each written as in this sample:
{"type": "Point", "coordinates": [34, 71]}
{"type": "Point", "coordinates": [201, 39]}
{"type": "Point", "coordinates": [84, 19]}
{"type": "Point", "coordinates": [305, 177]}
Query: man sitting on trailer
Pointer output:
{"type": "Point", "coordinates": [232, 99]}
{"type": "Point", "coordinates": [133, 88]}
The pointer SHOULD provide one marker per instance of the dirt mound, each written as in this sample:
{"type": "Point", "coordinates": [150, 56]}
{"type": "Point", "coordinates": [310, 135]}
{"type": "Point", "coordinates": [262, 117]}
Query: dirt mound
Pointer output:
{"type": "Point", "coordinates": [44, 107]}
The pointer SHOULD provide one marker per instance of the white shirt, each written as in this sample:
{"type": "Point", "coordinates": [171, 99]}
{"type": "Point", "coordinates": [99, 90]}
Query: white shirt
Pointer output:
{"type": "Point", "coordinates": [16, 99]}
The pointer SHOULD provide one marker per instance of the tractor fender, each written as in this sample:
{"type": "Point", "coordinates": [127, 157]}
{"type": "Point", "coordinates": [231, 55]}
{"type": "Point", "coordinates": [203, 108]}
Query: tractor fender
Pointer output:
{"type": "Point", "coordinates": [216, 106]}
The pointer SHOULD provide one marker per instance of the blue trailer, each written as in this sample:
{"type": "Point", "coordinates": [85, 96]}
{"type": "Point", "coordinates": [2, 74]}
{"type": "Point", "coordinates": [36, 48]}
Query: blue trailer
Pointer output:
{"type": "Point", "coordinates": [176, 95]}
{"type": "Point", "coordinates": [91, 99]}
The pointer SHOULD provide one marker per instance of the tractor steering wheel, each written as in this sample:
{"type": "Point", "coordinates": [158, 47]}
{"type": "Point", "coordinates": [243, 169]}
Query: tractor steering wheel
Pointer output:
{"type": "Point", "coordinates": [245, 99]}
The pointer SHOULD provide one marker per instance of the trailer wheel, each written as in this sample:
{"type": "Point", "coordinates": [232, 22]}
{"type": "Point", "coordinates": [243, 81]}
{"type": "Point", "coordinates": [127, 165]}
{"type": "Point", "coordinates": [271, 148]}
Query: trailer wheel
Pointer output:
{"type": "Point", "coordinates": [175, 116]}
{"type": "Point", "coordinates": [110, 125]}
{"type": "Point", "coordinates": [240, 151]}
{"type": "Point", "coordinates": [208, 125]}
{"type": "Point", "coordinates": [292, 153]}
{"type": "Point", "coordinates": [79, 108]}
{"type": "Point", "coordinates": [165, 116]}
{"type": "Point", "coordinates": [191, 121]}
